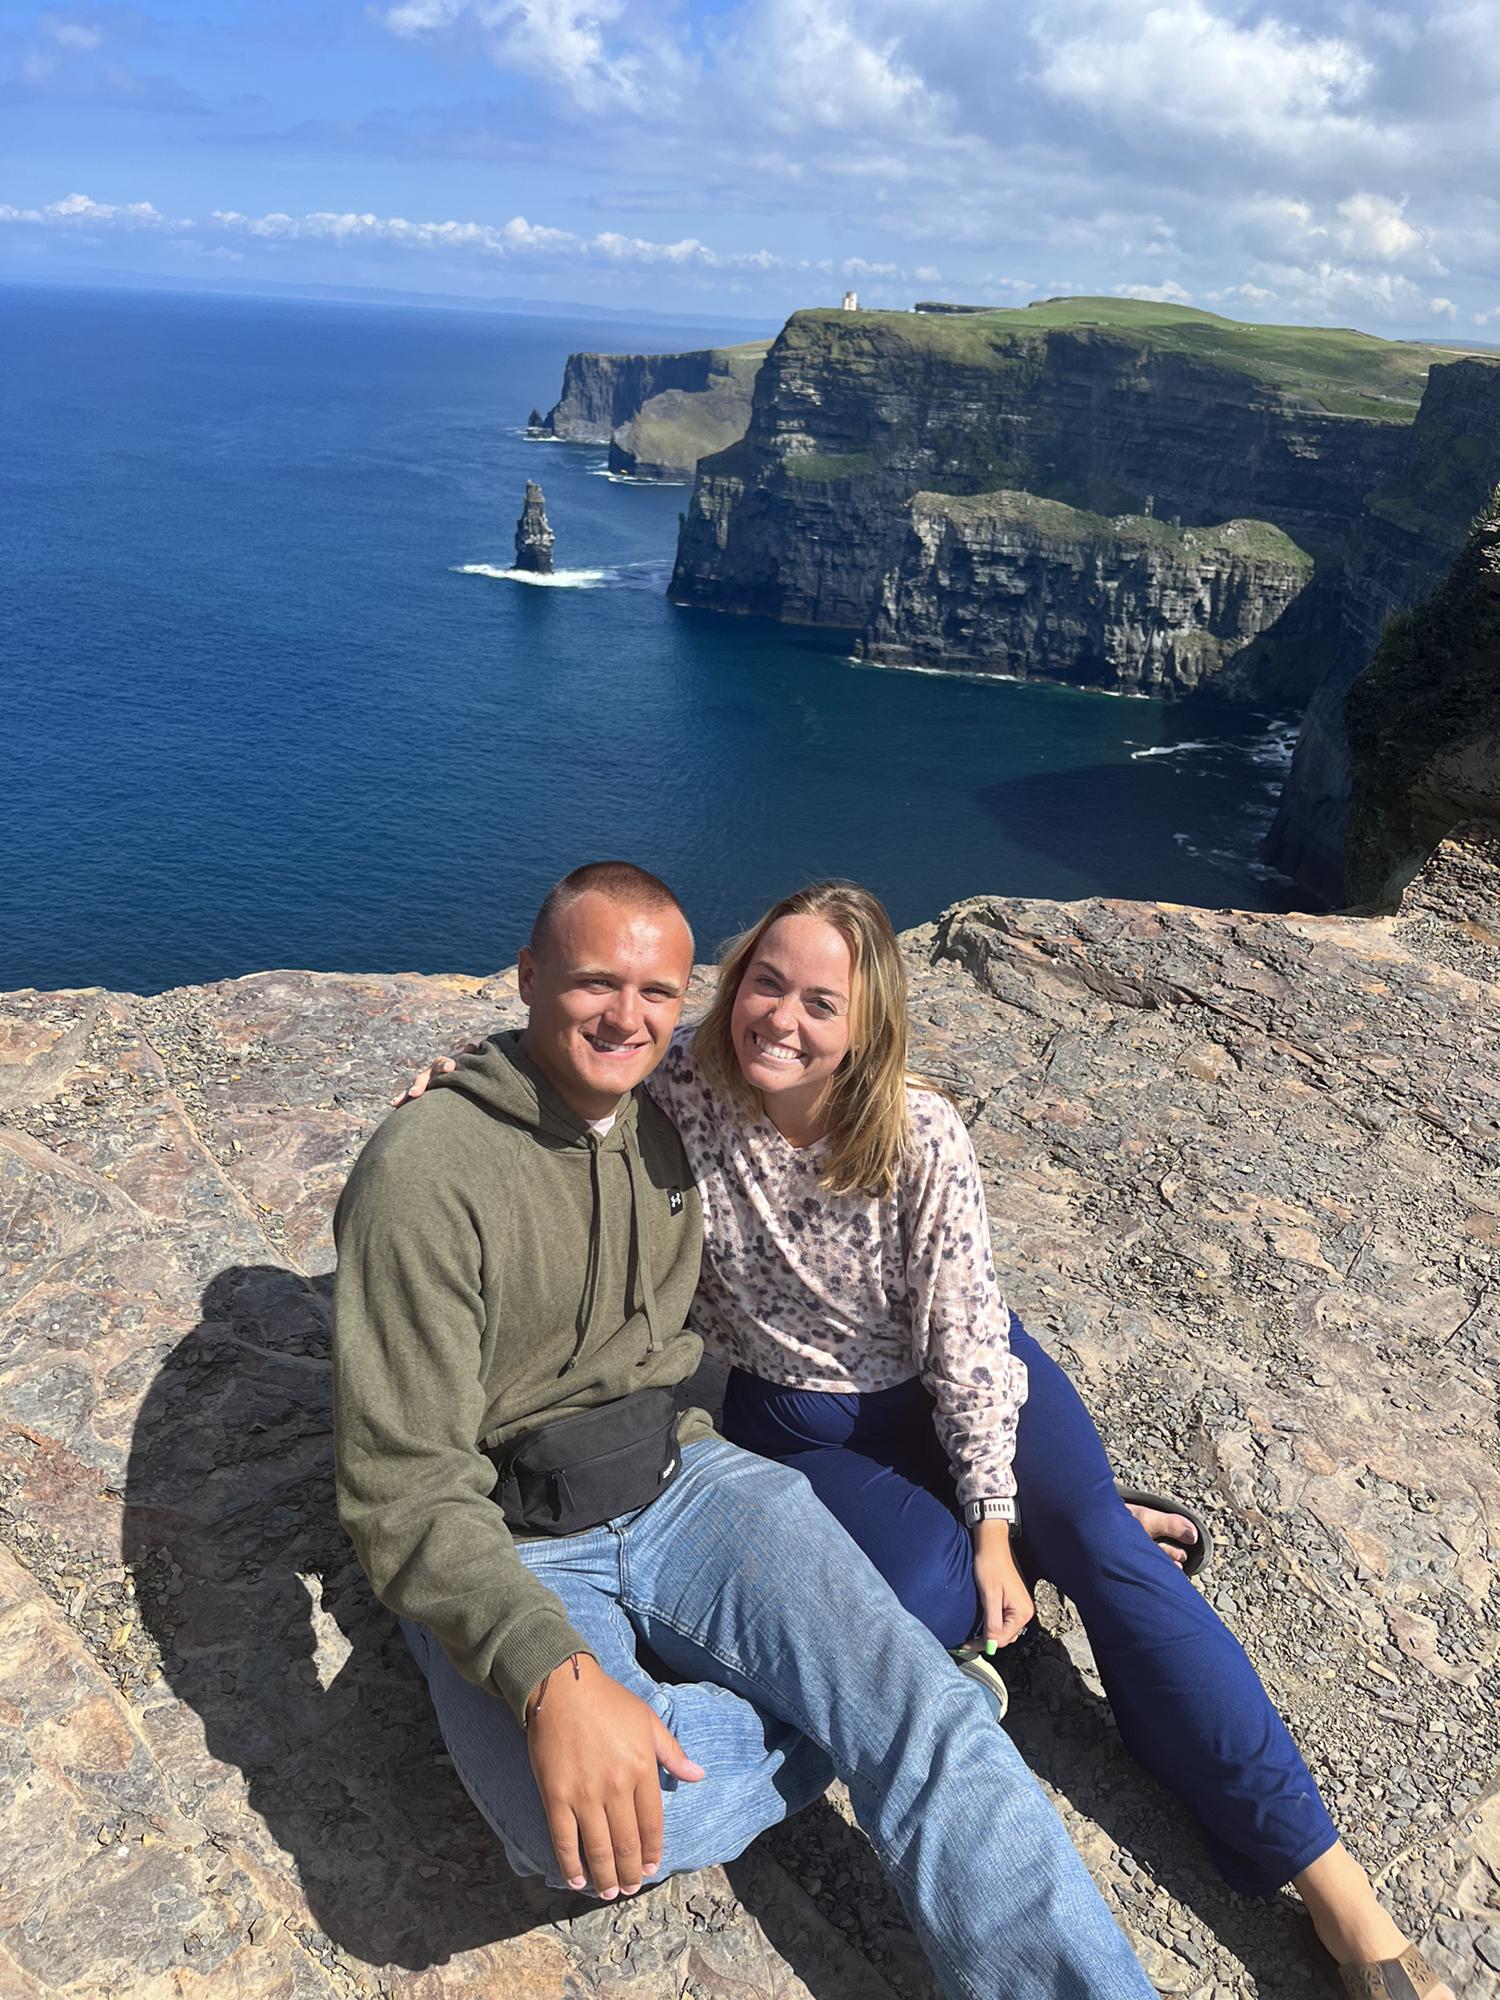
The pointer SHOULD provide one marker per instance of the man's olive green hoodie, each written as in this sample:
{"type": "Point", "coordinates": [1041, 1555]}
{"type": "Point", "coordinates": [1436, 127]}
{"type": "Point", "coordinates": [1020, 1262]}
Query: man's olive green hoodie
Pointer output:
{"type": "Point", "coordinates": [500, 1266]}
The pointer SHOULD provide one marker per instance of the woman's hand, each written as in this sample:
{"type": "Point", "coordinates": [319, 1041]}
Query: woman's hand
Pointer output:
{"type": "Point", "coordinates": [439, 1068]}
{"type": "Point", "coordinates": [1005, 1604]}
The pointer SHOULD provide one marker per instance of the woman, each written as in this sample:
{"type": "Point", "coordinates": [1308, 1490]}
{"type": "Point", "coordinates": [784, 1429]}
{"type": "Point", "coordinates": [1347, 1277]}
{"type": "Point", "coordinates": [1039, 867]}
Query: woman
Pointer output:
{"type": "Point", "coordinates": [848, 1282]}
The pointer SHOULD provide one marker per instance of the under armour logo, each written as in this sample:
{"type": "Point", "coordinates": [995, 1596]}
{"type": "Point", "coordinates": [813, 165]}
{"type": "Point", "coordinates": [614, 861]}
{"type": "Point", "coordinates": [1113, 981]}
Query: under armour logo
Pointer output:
{"type": "Point", "coordinates": [674, 1201]}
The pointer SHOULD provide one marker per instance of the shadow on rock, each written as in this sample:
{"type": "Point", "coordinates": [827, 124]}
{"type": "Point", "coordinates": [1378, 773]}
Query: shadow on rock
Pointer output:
{"type": "Point", "coordinates": [1067, 1736]}
{"type": "Point", "coordinates": [269, 1634]}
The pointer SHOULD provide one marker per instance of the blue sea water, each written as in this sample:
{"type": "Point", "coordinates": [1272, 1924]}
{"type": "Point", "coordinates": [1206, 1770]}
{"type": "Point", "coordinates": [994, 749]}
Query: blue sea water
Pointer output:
{"type": "Point", "coordinates": [270, 699]}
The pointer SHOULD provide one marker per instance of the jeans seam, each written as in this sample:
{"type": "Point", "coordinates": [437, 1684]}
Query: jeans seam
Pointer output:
{"type": "Point", "coordinates": [905, 1881]}
{"type": "Point", "coordinates": [798, 1721]}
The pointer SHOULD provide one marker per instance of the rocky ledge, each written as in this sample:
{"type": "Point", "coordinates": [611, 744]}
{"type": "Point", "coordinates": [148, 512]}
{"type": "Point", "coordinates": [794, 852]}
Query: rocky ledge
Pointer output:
{"type": "Point", "coordinates": [1242, 1174]}
{"type": "Point", "coordinates": [658, 413]}
{"type": "Point", "coordinates": [1008, 583]}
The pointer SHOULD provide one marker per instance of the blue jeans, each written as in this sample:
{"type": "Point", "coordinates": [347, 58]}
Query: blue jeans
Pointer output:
{"type": "Point", "coordinates": [792, 1661]}
{"type": "Point", "coordinates": [1187, 1701]}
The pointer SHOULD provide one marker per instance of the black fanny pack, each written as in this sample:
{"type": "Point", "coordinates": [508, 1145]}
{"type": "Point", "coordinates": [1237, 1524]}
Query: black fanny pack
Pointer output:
{"type": "Point", "coordinates": [582, 1470]}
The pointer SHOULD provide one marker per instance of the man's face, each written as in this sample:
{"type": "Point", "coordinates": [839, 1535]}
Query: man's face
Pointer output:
{"type": "Point", "coordinates": [605, 991]}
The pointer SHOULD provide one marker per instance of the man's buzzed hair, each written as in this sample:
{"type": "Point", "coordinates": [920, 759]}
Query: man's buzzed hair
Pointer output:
{"type": "Point", "coordinates": [620, 881]}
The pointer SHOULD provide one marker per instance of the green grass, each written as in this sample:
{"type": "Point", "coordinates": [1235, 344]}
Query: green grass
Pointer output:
{"type": "Point", "coordinates": [1259, 539]}
{"type": "Point", "coordinates": [822, 466]}
{"type": "Point", "coordinates": [680, 426]}
{"type": "Point", "coordinates": [1331, 368]}
{"type": "Point", "coordinates": [742, 362]}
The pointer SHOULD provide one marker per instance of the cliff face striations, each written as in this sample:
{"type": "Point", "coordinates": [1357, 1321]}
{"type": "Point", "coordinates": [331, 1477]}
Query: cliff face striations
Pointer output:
{"type": "Point", "coordinates": [1423, 723]}
{"type": "Point", "coordinates": [1409, 533]}
{"type": "Point", "coordinates": [658, 413]}
{"type": "Point", "coordinates": [1158, 412]}
{"type": "Point", "coordinates": [1007, 583]}
{"type": "Point", "coordinates": [1121, 495]}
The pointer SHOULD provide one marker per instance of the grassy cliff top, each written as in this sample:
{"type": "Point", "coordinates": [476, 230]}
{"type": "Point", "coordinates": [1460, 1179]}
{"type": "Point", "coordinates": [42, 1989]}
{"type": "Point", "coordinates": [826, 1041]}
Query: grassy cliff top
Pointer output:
{"type": "Point", "coordinates": [1244, 537]}
{"type": "Point", "coordinates": [741, 361]}
{"type": "Point", "coordinates": [1333, 368]}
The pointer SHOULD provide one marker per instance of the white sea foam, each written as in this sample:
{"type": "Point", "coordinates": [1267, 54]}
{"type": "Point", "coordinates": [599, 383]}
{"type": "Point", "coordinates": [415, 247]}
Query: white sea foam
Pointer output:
{"type": "Point", "coordinates": [935, 673]}
{"type": "Point", "coordinates": [558, 579]}
{"type": "Point", "coordinates": [631, 478]}
{"type": "Point", "coordinates": [1275, 748]}
{"type": "Point", "coordinates": [977, 674]}
{"type": "Point", "coordinates": [1173, 749]}
{"type": "Point", "coordinates": [1230, 860]}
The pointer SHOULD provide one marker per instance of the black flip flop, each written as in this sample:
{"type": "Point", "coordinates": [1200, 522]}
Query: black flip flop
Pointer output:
{"type": "Point", "coordinates": [1198, 1552]}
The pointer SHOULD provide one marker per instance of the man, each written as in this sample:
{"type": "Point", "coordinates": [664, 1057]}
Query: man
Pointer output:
{"type": "Point", "coordinates": [518, 1250]}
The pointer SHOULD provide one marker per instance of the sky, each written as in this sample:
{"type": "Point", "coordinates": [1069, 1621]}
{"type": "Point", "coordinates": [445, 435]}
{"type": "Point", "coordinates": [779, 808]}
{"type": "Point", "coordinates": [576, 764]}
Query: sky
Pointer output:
{"type": "Point", "coordinates": [1336, 163]}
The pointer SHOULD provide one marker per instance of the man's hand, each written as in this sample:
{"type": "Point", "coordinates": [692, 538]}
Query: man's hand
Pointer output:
{"type": "Point", "coordinates": [1004, 1601]}
{"type": "Point", "coordinates": [595, 1751]}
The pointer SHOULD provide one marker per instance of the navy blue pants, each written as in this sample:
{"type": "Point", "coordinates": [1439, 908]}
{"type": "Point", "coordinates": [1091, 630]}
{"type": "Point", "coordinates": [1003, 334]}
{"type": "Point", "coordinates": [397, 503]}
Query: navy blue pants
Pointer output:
{"type": "Point", "coordinates": [1188, 1703]}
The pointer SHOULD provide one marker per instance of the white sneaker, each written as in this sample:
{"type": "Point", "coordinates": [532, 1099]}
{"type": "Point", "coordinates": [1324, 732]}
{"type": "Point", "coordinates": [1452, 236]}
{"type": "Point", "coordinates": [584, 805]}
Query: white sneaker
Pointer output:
{"type": "Point", "coordinates": [978, 1667]}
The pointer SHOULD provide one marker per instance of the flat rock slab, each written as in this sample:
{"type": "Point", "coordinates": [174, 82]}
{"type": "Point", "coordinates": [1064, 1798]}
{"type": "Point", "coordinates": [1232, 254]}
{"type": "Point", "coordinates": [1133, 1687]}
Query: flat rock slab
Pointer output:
{"type": "Point", "coordinates": [1243, 1182]}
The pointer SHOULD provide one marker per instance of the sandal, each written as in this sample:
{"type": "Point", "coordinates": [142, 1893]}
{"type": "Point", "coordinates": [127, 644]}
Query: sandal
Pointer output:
{"type": "Point", "coordinates": [1198, 1552]}
{"type": "Point", "coordinates": [1408, 1977]}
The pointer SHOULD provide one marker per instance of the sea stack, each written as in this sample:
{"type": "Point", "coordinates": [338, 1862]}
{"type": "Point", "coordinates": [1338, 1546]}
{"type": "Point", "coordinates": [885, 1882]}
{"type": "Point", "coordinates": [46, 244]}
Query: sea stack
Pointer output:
{"type": "Point", "coordinates": [534, 534]}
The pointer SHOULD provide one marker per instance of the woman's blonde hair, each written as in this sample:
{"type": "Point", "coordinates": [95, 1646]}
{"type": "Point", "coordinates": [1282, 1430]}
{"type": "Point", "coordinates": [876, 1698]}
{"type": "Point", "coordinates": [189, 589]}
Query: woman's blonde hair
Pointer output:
{"type": "Point", "coordinates": [868, 1129]}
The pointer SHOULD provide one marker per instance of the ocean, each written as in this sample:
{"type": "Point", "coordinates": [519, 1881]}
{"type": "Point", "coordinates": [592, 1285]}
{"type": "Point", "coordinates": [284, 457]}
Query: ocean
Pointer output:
{"type": "Point", "coordinates": [271, 699]}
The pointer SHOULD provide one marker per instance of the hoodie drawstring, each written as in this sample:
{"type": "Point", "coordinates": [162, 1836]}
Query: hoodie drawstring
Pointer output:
{"type": "Point", "coordinates": [642, 1245]}
{"type": "Point", "coordinates": [591, 1262]}
{"type": "Point", "coordinates": [641, 1237]}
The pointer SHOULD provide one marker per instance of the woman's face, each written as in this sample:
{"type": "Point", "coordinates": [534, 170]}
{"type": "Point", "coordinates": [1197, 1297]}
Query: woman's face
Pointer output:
{"type": "Point", "coordinates": [791, 1018]}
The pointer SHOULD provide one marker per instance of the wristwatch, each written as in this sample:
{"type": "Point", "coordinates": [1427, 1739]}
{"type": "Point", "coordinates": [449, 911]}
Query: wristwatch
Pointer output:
{"type": "Point", "coordinates": [989, 1510]}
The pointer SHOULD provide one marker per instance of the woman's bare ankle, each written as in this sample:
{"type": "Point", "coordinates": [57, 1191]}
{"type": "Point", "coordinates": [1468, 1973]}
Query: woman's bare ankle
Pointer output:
{"type": "Point", "coordinates": [1350, 1923]}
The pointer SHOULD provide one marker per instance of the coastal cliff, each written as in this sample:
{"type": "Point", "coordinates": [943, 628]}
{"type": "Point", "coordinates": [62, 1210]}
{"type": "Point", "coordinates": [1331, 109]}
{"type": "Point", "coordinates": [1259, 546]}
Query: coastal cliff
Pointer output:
{"type": "Point", "coordinates": [1106, 407]}
{"type": "Point", "coordinates": [658, 413]}
{"type": "Point", "coordinates": [1127, 496]}
{"type": "Point", "coordinates": [1007, 583]}
{"type": "Point", "coordinates": [1242, 1174]}
{"type": "Point", "coordinates": [1409, 534]}
{"type": "Point", "coordinates": [1423, 723]}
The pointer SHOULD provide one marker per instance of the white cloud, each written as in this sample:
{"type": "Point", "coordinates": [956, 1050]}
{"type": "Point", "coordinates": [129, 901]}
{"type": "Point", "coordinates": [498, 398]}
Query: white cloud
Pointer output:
{"type": "Point", "coordinates": [1364, 249]}
{"type": "Point", "coordinates": [512, 239]}
{"type": "Point", "coordinates": [80, 35]}
{"type": "Point", "coordinates": [1443, 308]}
{"type": "Point", "coordinates": [1335, 158]}
{"type": "Point", "coordinates": [1178, 65]}
{"type": "Point", "coordinates": [1169, 293]}
{"type": "Point", "coordinates": [597, 56]}
{"type": "Point", "coordinates": [76, 209]}
{"type": "Point", "coordinates": [1253, 295]}
{"type": "Point", "coordinates": [820, 66]}
{"type": "Point", "coordinates": [1329, 291]}
{"type": "Point", "coordinates": [1376, 229]}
